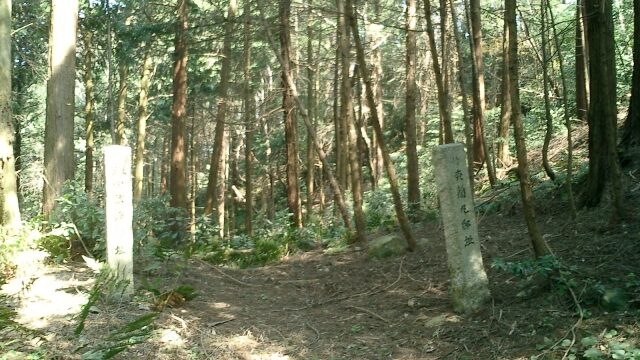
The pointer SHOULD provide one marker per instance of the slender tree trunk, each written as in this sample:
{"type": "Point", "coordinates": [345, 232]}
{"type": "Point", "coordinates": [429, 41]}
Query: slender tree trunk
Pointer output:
{"type": "Point", "coordinates": [143, 114]}
{"type": "Point", "coordinates": [177, 181]}
{"type": "Point", "coordinates": [582, 96]}
{"type": "Point", "coordinates": [602, 117]}
{"type": "Point", "coordinates": [376, 38]}
{"type": "Point", "coordinates": [480, 150]}
{"type": "Point", "coordinates": [567, 117]}
{"type": "Point", "coordinates": [109, 51]}
{"type": "Point", "coordinates": [193, 175]}
{"type": "Point", "coordinates": [9, 205]}
{"type": "Point", "coordinates": [413, 172]}
{"type": "Point", "coordinates": [220, 130]}
{"type": "Point", "coordinates": [249, 121]}
{"type": "Point", "coordinates": [547, 103]}
{"type": "Point", "coordinates": [631, 132]}
{"type": "Point", "coordinates": [463, 89]}
{"type": "Point", "coordinates": [540, 247]}
{"type": "Point", "coordinates": [341, 125]}
{"type": "Point", "coordinates": [88, 110]}
{"type": "Point", "coordinates": [311, 106]}
{"type": "Point", "coordinates": [290, 133]}
{"type": "Point", "coordinates": [123, 71]}
{"type": "Point", "coordinates": [502, 153]}
{"type": "Point", "coordinates": [333, 182]}
{"type": "Point", "coordinates": [390, 168]}
{"type": "Point", "coordinates": [445, 114]}
{"type": "Point", "coordinates": [165, 167]}
{"type": "Point", "coordinates": [59, 159]}
{"type": "Point", "coordinates": [353, 149]}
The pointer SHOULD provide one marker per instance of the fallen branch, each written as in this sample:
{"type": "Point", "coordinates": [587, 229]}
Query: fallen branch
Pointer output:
{"type": "Point", "coordinates": [225, 274]}
{"type": "Point", "coordinates": [369, 312]}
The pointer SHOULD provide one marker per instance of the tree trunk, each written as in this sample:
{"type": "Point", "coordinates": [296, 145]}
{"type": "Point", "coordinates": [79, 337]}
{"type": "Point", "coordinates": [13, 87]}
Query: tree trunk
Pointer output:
{"type": "Point", "coordinates": [290, 136]}
{"type": "Point", "coordinates": [9, 205]}
{"type": "Point", "coordinates": [413, 172]}
{"type": "Point", "coordinates": [582, 96]}
{"type": "Point", "coordinates": [165, 167]}
{"type": "Point", "coordinates": [59, 159]}
{"type": "Point", "coordinates": [480, 150]}
{"type": "Point", "coordinates": [109, 51]}
{"type": "Point", "coordinates": [540, 247]}
{"type": "Point", "coordinates": [377, 39]}
{"type": "Point", "coordinates": [602, 117]}
{"type": "Point", "coordinates": [567, 117]}
{"type": "Point", "coordinates": [353, 149]}
{"type": "Point", "coordinates": [143, 115]}
{"type": "Point", "coordinates": [220, 130]}
{"type": "Point", "coordinates": [311, 106]}
{"type": "Point", "coordinates": [177, 181]}
{"type": "Point", "coordinates": [547, 103]}
{"type": "Point", "coordinates": [249, 121]}
{"type": "Point", "coordinates": [465, 103]}
{"type": "Point", "coordinates": [391, 171]}
{"type": "Point", "coordinates": [88, 110]}
{"type": "Point", "coordinates": [631, 131]}
{"type": "Point", "coordinates": [123, 71]}
{"type": "Point", "coordinates": [333, 182]}
{"type": "Point", "coordinates": [344, 115]}
{"type": "Point", "coordinates": [502, 153]}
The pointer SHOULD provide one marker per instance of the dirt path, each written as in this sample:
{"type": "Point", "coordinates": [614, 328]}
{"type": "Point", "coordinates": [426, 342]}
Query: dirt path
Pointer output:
{"type": "Point", "coordinates": [345, 306]}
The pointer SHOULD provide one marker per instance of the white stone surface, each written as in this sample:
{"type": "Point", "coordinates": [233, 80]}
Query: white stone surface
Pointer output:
{"type": "Point", "coordinates": [119, 215]}
{"type": "Point", "coordinates": [469, 284]}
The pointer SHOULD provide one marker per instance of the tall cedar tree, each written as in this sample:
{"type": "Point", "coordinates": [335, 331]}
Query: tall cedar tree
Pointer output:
{"type": "Point", "coordinates": [216, 185]}
{"type": "Point", "coordinates": [293, 191]}
{"type": "Point", "coordinates": [581, 59]}
{"type": "Point", "coordinates": [9, 206]}
{"type": "Point", "coordinates": [413, 175]}
{"type": "Point", "coordinates": [143, 114]}
{"type": "Point", "coordinates": [89, 100]}
{"type": "Point", "coordinates": [249, 121]}
{"type": "Point", "coordinates": [389, 167]}
{"type": "Point", "coordinates": [540, 248]}
{"type": "Point", "coordinates": [59, 160]}
{"type": "Point", "coordinates": [631, 132]}
{"type": "Point", "coordinates": [604, 167]}
{"type": "Point", "coordinates": [177, 181]}
{"type": "Point", "coordinates": [480, 151]}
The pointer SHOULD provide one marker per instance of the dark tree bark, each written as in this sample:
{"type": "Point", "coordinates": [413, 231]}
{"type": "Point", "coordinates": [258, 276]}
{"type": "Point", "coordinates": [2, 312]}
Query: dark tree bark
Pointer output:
{"type": "Point", "coordinates": [582, 94]}
{"type": "Point", "coordinates": [540, 247]}
{"type": "Point", "coordinates": [59, 159]}
{"type": "Point", "coordinates": [390, 168]}
{"type": "Point", "coordinates": [547, 102]}
{"type": "Point", "coordinates": [88, 110]}
{"type": "Point", "coordinates": [413, 173]}
{"type": "Point", "coordinates": [567, 117]}
{"type": "Point", "coordinates": [249, 122]}
{"type": "Point", "coordinates": [604, 167]}
{"type": "Point", "coordinates": [215, 187]}
{"type": "Point", "coordinates": [311, 106]}
{"type": "Point", "coordinates": [480, 150]}
{"type": "Point", "coordinates": [123, 71]}
{"type": "Point", "coordinates": [177, 181]}
{"type": "Point", "coordinates": [630, 139]}
{"type": "Point", "coordinates": [463, 90]}
{"type": "Point", "coordinates": [290, 133]}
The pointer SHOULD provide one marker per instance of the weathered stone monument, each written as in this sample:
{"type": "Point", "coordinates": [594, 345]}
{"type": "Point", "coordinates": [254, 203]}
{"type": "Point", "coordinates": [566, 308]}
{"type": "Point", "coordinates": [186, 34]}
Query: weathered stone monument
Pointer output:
{"type": "Point", "coordinates": [119, 216]}
{"type": "Point", "coordinates": [469, 284]}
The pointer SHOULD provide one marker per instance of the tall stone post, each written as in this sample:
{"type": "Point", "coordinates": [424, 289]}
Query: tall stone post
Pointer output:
{"type": "Point", "coordinates": [469, 283]}
{"type": "Point", "coordinates": [119, 215]}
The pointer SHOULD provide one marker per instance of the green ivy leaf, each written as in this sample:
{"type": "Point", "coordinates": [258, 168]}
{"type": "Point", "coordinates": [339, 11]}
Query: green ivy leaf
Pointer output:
{"type": "Point", "coordinates": [593, 353]}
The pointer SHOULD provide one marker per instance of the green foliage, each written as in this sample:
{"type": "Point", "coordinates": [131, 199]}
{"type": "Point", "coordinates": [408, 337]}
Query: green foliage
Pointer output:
{"type": "Point", "coordinates": [134, 332]}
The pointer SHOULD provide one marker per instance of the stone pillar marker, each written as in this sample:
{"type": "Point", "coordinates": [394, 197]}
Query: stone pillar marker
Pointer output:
{"type": "Point", "coordinates": [469, 284]}
{"type": "Point", "coordinates": [119, 215]}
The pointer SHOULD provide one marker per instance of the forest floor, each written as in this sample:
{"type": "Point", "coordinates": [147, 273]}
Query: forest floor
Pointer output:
{"type": "Point", "coordinates": [346, 306]}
